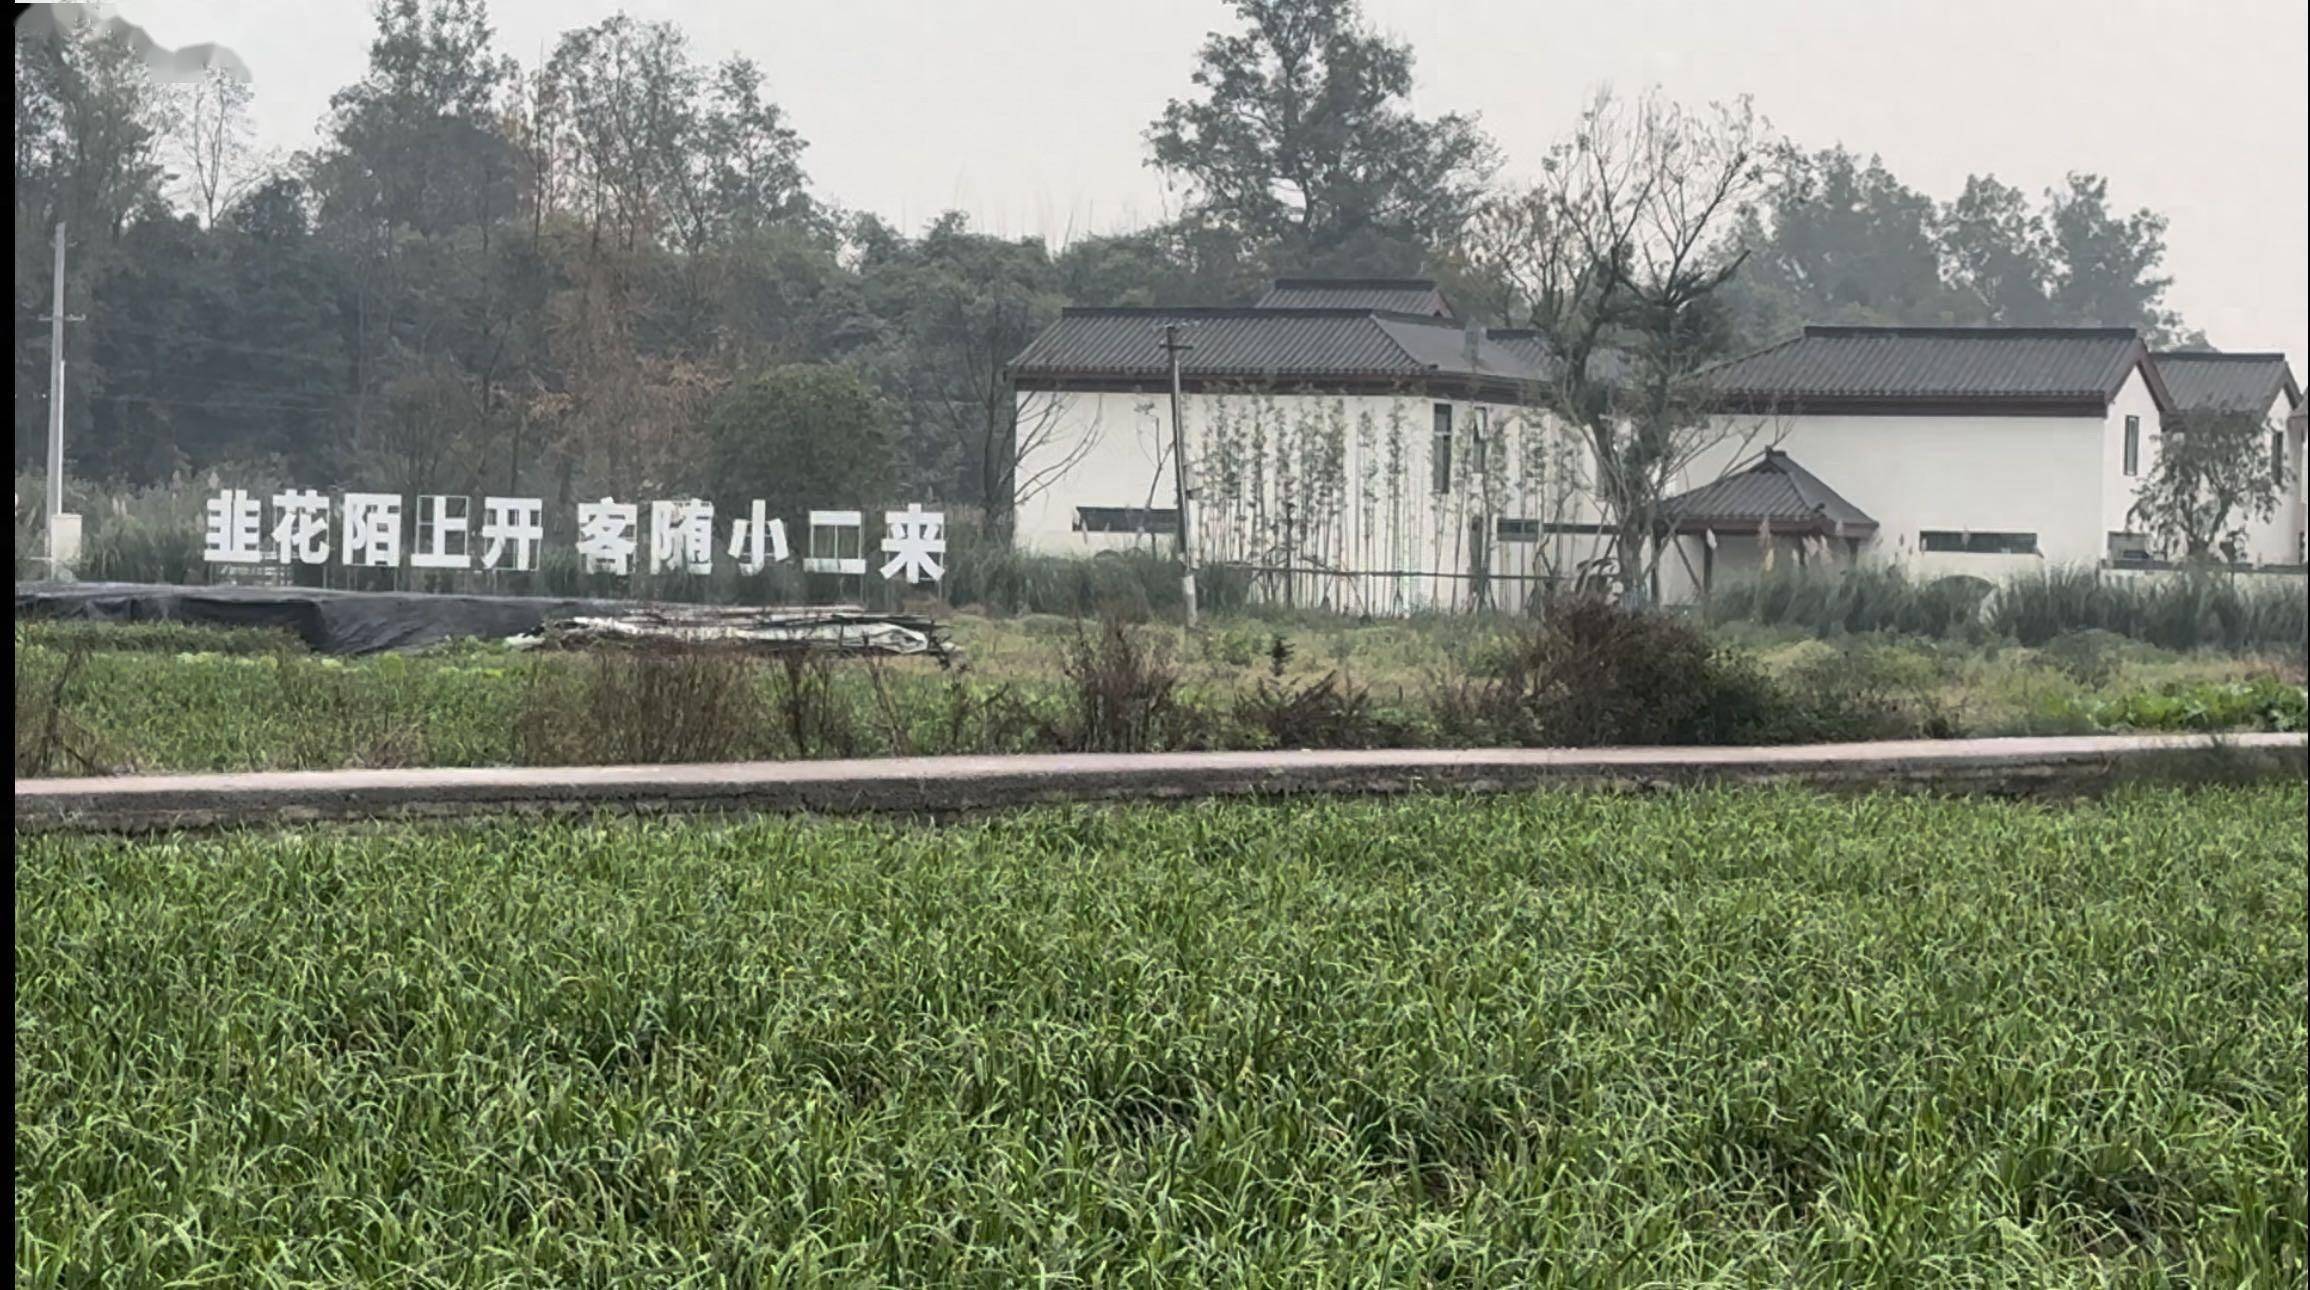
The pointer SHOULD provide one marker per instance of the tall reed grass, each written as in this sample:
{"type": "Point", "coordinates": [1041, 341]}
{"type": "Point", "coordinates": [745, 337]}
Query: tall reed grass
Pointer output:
{"type": "Point", "coordinates": [2182, 610]}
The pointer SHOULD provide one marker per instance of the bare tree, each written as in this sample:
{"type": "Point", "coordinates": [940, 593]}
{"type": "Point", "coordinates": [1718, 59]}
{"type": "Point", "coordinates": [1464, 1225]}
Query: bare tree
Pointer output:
{"type": "Point", "coordinates": [1039, 452]}
{"type": "Point", "coordinates": [1619, 255]}
{"type": "Point", "coordinates": [1554, 494]}
{"type": "Point", "coordinates": [211, 140]}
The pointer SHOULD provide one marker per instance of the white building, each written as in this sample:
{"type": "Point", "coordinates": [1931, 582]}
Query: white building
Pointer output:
{"type": "Point", "coordinates": [2254, 384]}
{"type": "Point", "coordinates": [1349, 444]}
{"type": "Point", "coordinates": [1984, 451]}
{"type": "Point", "coordinates": [1354, 447]}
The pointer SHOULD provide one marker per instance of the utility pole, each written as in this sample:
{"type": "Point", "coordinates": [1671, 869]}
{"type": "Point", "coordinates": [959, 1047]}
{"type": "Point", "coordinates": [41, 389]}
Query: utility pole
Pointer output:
{"type": "Point", "coordinates": [1174, 347]}
{"type": "Point", "coordinates": [56, 321]}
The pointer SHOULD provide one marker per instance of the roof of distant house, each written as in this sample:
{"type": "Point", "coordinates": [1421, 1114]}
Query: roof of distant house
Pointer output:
{"type": "Point", "coordinates": [1773, 490]}
{"type": "Point", "coordinates": [2211, 382]}
{"type": "Point", "coordinates": [1266, 345]}
{"type": "Point", "coordinates": [1388, 295]}
{"type": "Point", "coordinates": [2060, 371]}
{"type": "Point", "coordinates": [1524, 342]}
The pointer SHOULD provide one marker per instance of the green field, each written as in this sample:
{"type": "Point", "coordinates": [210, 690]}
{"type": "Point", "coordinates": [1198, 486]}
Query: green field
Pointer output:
{"type": "Point", "coordinates": [1752, 1038]}
{"type": "Point", "coordinates": [176, 698]}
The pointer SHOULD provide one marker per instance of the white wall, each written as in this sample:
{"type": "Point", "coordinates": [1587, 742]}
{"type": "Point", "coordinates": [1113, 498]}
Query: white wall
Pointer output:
{"type": "Point", "coordinates": [2276, 539]}
{"type": "Point", "coordinates": [1089, 450]}
{"type": "Point", "coordinates": [2041, 475]}
{"type": "Point", "coordinates": [2301, 434]}
{"type": "Point", "coordinates": [1363, 504]}
{"type": "Point", "coordinates": [1338, 482]}
{"type": "Point", "coordinates": [2119, 489]}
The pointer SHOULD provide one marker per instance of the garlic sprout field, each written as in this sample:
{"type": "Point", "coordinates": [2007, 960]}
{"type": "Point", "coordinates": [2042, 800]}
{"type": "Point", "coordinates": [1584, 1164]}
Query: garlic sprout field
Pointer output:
{"type": "Point", "coordinates": [1742, 1037]}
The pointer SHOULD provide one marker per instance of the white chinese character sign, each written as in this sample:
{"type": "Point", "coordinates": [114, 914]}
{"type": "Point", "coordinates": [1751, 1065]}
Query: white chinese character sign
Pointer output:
{"type": "Point", "coordinates": [606, 536]}
{"type": "Point", "coordinates": [300, 527]}
{"type": "Point", "coordinates": [757, 540]}
{"type": "Point", "coordinates": [507, 534]}
{"type": "Point", "coordinates": [511, 522]}
{"type": "Point", "coordinates": [234, 518]}
{"type": "Point", "coordinates": [916, 541]}
{"type": "Point", "coordinates": [682, 537]}
{"type": "Point", "coordinates": [441, 533]}
{"type": "Point", "coordinates": [372, 529]}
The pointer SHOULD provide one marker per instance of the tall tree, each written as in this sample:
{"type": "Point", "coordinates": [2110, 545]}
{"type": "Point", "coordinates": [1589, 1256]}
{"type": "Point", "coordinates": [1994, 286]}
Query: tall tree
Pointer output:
{"type": "Point", "coordinates": [415, 143]}
{"type": "Point", "coordinates": [283, 346]}
{"type": "Point", "coordinates": [1995, 255]}
{"type": "Point", "coordinates": [626, 94]}
{"type": "Point", "coordinates": [800, 437]}
{"type": "Point", "coordinates": [211, 142]}
{"type": "Point", "coordinates": [1620, 255]}
{"type": "Point", "coordinates": [960, 306]}
{"type": "Point", "coordinates": [1186, 261]}
{"type": "Point", "coordinates": [2106, 264]}
{"type": "Point", "coordinates": [747, 166]}
{"type": "Point", "coordinates": [414, 178]}
{"type": "Point", "coordinates": [88, 127]}
{"type": "Point", "coordinates": [155, 402]}
{"type": "Point", "coordinates": [1838, 239]}
{"type": "Point", "coordinates": [1302, 141]}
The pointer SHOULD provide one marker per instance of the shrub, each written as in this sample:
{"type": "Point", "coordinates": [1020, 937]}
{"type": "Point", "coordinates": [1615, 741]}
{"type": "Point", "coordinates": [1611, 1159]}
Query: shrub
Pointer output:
{"type": "Point", "coordinates": [1123, 695]}
{"type": "Point", "coordinates": [1867, 688]}
{"type": "Point", "coordinates": [818, 720]}
{"type": "Point", "coordinates": [1595, 672]}
{"type": "Point", "coordinates": [1332, 712]}
{"type": "Point", "coordinates": [641, 706]}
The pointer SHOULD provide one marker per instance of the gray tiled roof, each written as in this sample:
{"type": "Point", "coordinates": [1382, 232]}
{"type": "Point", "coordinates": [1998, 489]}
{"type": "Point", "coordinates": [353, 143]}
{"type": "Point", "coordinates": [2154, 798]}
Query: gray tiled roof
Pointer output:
{"type": "Point", "coordinates": [1389, 295]}
{"type": "Point", "coordinates": [1607, 365]}
{"type": "Point", "coordinates": [1943, 365]}
{"type": "Point", "coordinates": [1775, 490]}
{"type": "Point", "coordinates": [2226, 382]}
{"type": "Point", "coordinates": [1266, 344]}
{"type": "Point", "coordinates": [1524, 343]}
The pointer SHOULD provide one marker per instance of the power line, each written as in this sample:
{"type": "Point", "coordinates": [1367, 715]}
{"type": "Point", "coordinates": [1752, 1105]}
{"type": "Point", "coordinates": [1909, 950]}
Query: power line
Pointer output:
{"type": "Point", "coordinates": [137, 376]}
{"type": "Point", "coordinates": [196, 337]}
{"type": "Point", "coordinates": [255, 405]}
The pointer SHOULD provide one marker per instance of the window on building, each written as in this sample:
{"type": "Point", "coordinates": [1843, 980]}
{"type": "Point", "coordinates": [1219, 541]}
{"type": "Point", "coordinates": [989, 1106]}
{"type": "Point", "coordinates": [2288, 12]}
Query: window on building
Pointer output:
{"type": "Point", "coordinates": [1978, 543]}
{"type": "Point", "coordinates": [2278, 456]}
{"type": "Point", "coordinates": [2133, 445]}
{"type": "Point", "coordinates": [1440, 452]}
{"type": "Point", "coordinates": [2130, 546]}
{"type": "Point", "coordinates": [1482, 439]}
{"type": "Point", "coordinates": [1126, 519]}
{"type": "Point", "coordinates": [1513, 529]}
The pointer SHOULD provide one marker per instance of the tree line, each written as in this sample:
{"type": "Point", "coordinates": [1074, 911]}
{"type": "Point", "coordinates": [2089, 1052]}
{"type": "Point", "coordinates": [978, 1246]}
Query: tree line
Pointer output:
{"type": "Point", "coordinates": [610, 269]}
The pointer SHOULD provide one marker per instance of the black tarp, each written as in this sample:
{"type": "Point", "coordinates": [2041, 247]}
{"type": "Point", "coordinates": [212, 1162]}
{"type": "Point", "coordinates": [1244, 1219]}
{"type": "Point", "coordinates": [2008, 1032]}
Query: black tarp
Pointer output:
{"type": "Point", "coordinates": [331, 622]}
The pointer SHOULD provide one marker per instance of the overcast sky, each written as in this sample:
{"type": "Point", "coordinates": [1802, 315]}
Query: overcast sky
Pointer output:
{"type": "Point", "coordinates": [1028, 113]}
